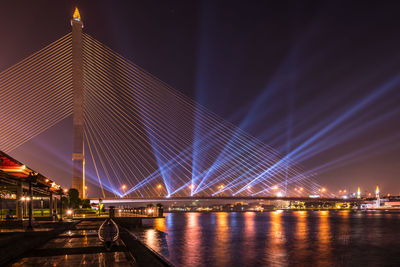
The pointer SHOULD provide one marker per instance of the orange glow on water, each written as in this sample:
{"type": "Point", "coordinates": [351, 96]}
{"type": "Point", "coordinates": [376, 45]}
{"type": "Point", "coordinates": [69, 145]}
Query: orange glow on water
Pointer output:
{"type": "Point", "coordinates": [324, 239]}
{"type": "Point", "coordinates": [192, 235]}
{"type": "Point", "coordinates": [222, 238]}
{"type": "Point", "coordinates": [159, 223]}
{"type": "Point", "coordinates": [301, 234]}
{"type": "Point", "coordinates": [249, 236]}
{"type": "Point", "coordinates": [152, 238]}
{"type": "Point", "coordinates": [276, 251]}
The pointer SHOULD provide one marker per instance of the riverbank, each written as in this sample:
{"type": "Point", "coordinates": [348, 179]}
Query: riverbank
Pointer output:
{"type": "Point", "coordinates": [74, 243]}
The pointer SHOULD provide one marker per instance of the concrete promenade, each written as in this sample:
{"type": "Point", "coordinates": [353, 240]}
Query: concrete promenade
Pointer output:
{"type": "Point", "coordinates": [79, 246]}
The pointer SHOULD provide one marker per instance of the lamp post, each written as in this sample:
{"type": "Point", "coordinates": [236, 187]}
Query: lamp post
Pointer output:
{"type": "Point", "coordinates": [159, 187]}
{"type": "Point", "coordinates": [100, 206]}
{"type": "Point", "coordinates": [123, 189]}
{"type": "Point", "coordinates": [32, 178]}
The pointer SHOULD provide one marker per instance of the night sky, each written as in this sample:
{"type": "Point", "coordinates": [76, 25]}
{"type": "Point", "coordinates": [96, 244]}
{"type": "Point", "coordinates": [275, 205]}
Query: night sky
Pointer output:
{"type": "Point", "coordinates": [281, 70]}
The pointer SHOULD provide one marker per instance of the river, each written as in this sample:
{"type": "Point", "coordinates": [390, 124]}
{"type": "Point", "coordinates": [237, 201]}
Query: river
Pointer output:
{"type": "Point", "coordinates": [277, 238]}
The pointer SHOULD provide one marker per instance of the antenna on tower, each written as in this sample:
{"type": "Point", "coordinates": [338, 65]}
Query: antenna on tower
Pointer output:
{"type": "Point", "coordinates": [76, 16]}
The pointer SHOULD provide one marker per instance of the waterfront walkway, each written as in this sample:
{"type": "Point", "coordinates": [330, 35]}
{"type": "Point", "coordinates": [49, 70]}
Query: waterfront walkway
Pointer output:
{"type": "Point", "coordinates": [79, 246]}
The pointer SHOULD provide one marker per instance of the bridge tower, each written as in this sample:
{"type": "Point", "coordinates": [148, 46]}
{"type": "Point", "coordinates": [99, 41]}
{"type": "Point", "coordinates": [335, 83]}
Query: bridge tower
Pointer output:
{"type": "Point", "coordinates": [78, 157]}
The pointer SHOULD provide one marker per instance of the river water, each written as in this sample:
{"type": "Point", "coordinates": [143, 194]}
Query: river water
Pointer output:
{"type": "Point", "coordinates": [278, 238]}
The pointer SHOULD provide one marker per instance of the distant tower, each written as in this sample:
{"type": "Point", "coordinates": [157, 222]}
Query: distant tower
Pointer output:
{"type": "Point", "coordinates": [358, 192]}
{"type": "Point", "coordinates": [378, 200]}
{"type": "Point", "coordinates": [78, 158]}
{"type": "Point", "coordinates": [377, 192]}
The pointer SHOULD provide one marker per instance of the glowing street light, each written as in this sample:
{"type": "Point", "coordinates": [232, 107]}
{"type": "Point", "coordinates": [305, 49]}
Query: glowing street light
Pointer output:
{"type": "Point", "coordinates": [275, 187]}
{"type": "Point", "coordinates": [123, 187]}
{"type": "Point", "coordinates": [159, 187]}
{"type": "Point", "coordinates": [69, 213]}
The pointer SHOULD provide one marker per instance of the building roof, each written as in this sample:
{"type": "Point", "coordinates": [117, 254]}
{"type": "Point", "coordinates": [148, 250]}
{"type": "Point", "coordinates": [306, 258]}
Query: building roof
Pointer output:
{"type": "Point", "coordinates": [12, 169]}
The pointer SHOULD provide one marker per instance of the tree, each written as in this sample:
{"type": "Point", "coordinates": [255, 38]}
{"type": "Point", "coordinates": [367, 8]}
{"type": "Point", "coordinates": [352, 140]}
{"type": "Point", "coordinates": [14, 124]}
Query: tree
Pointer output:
{"type": "Point", "coordinates": [65, 202]}
{"type": "Point", "coordinates": [73, 197]}
{"type": "Point", "coordinates": [86, 204]}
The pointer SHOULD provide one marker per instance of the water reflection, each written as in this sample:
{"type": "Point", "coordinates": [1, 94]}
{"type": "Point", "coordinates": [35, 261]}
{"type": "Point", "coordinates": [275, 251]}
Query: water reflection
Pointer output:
{"type": "Point", "coordinates": [222, 245]}
{"type": "Point", "coordinates": [300, 238]}
{"type": "Point", "coordinates": [344, 229]}
{"type": "Point", "coordinates": [324, 238]}
{"type": "Point", "coordinates": [192, 238]}
{"type": "Point", "coordinates": [276, 252]}
{"type": "Point", "coordinates": [301, 251]}
{"type": "Point", "coordinates": [160, 225]}
{"type": "Point", "coordinates": [249, 237]}
{"type": "Point", "coordinates": [152, 238]}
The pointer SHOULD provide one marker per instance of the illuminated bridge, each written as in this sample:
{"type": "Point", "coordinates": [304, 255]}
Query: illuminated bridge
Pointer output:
{"type": "Point", "coordinates": [137, 136]}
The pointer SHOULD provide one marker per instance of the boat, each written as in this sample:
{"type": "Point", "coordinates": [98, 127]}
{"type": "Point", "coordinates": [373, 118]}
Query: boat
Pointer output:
{"type": "Point", "coordinates": [108, 233]}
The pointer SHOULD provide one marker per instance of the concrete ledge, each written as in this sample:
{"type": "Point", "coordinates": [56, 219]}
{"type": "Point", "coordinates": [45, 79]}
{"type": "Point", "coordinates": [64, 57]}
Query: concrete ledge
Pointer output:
{"type": "Point", "coordinates": [143, 255]}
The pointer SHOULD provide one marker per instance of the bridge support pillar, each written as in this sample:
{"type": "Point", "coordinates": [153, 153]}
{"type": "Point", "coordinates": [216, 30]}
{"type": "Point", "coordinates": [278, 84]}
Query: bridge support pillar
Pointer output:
{"type": "Point", "coordinates": [78, 159]}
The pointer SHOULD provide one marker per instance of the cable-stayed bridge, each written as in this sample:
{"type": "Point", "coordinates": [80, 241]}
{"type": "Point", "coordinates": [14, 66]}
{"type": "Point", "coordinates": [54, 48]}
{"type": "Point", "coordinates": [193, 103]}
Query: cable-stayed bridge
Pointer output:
{"type": "Point", "coordinates": [143, 138]}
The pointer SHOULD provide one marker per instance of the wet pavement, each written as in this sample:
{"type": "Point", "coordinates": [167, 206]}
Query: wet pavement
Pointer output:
{"type": "Point", "coordinates": [78, 247]}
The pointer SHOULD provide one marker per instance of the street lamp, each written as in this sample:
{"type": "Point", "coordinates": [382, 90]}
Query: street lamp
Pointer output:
{"type": "Point", "coordinates": [159, 187]}
{"type": "Point", "coordinates": [69, 213]}
{"type": "Point", "coordinates": [123, 188]}
{"type": "Point", "coordinates": [249, 189]}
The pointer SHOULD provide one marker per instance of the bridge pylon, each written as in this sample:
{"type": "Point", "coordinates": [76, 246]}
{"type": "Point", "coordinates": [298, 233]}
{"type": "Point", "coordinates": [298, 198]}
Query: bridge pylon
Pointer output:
{"type": "Point", "coordinates": [78, 157]}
